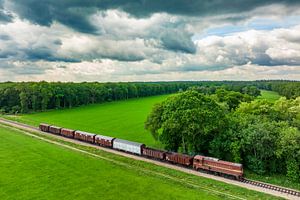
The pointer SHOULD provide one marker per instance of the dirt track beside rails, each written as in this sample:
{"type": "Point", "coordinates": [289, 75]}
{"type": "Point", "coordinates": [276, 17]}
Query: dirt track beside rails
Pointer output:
{"type": "Point", "coordinates": [28, 128]}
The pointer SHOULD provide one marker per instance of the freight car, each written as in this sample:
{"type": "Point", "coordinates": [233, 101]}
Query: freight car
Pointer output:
{"type": "Point", "coordinates": [104, 141]}
{"type": "Point", "coordinates": [128, 146]}
{"type": "Point", "coordinates": [84, 136]}
{"type": "Point", "coordinates": [44, 127]}
{"type": "Point", "coordinates": [178, 158]}
{"type": "Point", "coordinates": [218, 166]}
{"type": "Point", "coordinates": [153, 153]}
{"type": "Point", "coordinates": [67, 132]}
{"type": "Point", "coordinates": [55, 130]}
{"type": "Point", "coordinates": [198, 162]}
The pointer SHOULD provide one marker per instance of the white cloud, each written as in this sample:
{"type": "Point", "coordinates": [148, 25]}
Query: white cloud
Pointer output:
{"type": "Point", "coordinates": [34, 52]}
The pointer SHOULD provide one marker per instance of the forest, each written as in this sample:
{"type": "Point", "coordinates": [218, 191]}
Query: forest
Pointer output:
{"type": "Point", "coordinates": [24, 97]}
{"type": "Point", "coordinates": [229, 125]}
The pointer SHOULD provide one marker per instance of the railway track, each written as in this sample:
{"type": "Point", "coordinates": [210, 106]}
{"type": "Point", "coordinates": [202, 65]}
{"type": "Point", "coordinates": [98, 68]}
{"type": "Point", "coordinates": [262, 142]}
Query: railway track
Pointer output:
{"type": "Point", "coordinates": [294, 194]}
{"type": "Point", "coordinates": [272, 187]}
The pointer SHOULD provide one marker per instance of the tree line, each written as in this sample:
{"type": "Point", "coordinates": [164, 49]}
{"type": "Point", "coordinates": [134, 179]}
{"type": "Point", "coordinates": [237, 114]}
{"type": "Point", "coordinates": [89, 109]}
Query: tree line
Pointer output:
{"type": "Point", "coordinates": [262, 135]}
{"type": "Point", "coordinates": [26, 97]}
{"type": "Point", "coordinates": [39, 96]}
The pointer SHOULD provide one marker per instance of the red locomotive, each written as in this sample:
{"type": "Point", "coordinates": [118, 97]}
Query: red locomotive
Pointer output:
{"type": "Point", "coordinates": [218, 166]}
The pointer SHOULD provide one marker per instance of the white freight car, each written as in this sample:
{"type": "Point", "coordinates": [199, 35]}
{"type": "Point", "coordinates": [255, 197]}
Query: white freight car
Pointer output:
{"type": "Point", "coordinates": [128, 146]}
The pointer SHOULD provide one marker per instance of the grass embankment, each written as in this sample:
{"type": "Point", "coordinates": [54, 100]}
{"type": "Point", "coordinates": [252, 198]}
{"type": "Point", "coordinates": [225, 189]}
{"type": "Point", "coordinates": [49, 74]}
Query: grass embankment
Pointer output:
{"type": "Point", "coordinates": [34, 169]}
{"type": "Point", "coordinates": [121, 119]}
{"type": "Point", "coordinates": [269, 95]}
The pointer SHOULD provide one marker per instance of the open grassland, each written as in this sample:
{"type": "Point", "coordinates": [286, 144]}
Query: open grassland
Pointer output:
{"type": "Point", "coordinates": [269, 95]}
{"type": "Point", "coordinates": [121, 119]}
{"type": "Point", "coordinates": [34, 169]}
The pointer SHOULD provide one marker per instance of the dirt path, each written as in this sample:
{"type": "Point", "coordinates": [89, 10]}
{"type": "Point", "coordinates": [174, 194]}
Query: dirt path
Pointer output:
{"type": "Point", "coordinates": [25, 128]}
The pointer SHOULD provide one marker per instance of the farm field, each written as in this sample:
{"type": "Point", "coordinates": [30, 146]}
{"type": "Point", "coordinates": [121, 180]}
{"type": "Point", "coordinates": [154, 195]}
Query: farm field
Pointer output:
{"type": "Point", "coordinates": [122, 119]}
{"type": "Point", "coordinates": [269, 95]}
{"type": "Point", "coordinates": [34, 169]}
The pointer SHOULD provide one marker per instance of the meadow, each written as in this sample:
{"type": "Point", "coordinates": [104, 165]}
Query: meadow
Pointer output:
{"type": "Point", "coordinates": [121, 119]}
{"type": "Point", "coordinates": [34, 169]}
{"type": "Point", "coordinates": [269, 95]}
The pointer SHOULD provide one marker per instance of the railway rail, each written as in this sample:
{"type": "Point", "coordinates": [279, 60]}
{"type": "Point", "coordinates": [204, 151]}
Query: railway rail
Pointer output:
{"type": "Point", "coordinates": [272, 187]}
{"type": "Point", "coordinates": [291, 194]}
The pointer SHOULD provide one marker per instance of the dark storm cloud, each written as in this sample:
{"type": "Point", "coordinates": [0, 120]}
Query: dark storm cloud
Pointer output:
{"type": "Point", "coordinates": [75, 14]}
{"type": "Point", "coordinates": [4, 15]}
{"type": "Point", "coordinates": [178, 41]}
{"type": "Point", "coordinates": [24, 69]}
{"type": "Point", "coordinates": [43, 53]}
{"type": "Point", "coordinates": [69, 13]}
{"type": "Point", "coordinates": [4, 37]}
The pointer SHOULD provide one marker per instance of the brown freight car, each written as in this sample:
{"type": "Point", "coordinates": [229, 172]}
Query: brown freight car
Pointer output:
{"type": "Point", "coordinates": [84, 136]}
{"type": "Point", "coordinates": [218, 166]}
{"type": "Point", "coordinates": [67, 132]}
{"type": "Point", "coordinates": [153, 153]}
{"type": "Point", "coordinates": [44, 127]}
{"type": "Point", "coordinates": [104, 140]}
{"type": "Point", "coordinates": [55, 130]}
{"type": "Point", "coordinates": [178, 158]}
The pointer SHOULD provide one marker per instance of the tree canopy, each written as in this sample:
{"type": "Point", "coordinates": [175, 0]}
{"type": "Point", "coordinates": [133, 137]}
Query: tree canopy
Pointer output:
{"type": "Point", "coordinates": [262, 135]}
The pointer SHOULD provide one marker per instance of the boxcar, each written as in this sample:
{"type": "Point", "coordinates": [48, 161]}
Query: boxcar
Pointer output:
{"type": "Point", "coordinates": [178, 158]}
{"type": "Point", "coordinates": [104, 141]}
{"type": "Point", "coordinates": [153, 153]}
{"type": "Point", "coordinates": [85, 136]}
{"type": "Point", "coordinates": [44, 127]}
{"type": "Point", "coordinates": [219, 166]}
{"type": "Point", "coordinates": [55, 130]}
{"type": "Point", "coordinates": [128, 146]}
{"type": "Point", "coordinates": [67, 132]}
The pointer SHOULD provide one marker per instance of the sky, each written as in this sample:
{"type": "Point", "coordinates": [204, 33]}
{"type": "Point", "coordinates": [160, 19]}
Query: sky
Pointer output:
{"type": "Point", "coordinates": [149, 40]}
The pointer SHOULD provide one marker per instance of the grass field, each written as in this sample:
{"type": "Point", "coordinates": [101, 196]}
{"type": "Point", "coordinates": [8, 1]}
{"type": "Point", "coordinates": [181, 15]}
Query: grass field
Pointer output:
{"type": "Point", "coordinates": [34, 169]}
{"type": "Point", "coordinates": [122, 119]}
{"type": "Point", "coordinates": [269, 95]}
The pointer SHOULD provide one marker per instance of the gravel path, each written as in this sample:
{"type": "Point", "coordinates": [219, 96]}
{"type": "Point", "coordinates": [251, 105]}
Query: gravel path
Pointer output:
{"type": "Point", "coordinates": [25, 128]}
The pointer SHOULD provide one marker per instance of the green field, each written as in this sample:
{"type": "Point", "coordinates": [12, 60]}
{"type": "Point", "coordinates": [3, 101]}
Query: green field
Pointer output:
{"type": "Point", "coordinates": [121, 119]}
{"type": "Point", "coordinates": [269, 95]}
{"type": "Point", "coordinates": [34, 169]}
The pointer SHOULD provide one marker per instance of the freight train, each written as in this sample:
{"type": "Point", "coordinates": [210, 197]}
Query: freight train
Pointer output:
{"type": "Point", "coordinates": [198, 162]}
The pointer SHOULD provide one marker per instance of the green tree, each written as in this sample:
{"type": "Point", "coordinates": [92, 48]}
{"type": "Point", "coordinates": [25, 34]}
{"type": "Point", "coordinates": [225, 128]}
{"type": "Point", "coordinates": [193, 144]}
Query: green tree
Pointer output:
{"type": "Point", "coordinates": [24, 102]}
{"type": "Point", "coordinates": [289, 150]}
{"type": "Point", "coordinates": [186, 121]}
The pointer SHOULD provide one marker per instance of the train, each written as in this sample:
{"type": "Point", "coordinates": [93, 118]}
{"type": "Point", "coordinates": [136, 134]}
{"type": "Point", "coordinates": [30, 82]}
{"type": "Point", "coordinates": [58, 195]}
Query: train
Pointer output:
{"type": "Point", "coordinates": [197, 162]}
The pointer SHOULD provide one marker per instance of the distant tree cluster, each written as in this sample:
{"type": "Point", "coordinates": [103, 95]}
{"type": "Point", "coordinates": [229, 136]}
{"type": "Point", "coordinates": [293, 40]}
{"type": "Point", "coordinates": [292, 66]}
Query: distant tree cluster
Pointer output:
{"type": "Point", "coordinates": [39, 96]}
{"type": "Point", "coordinates": [264, 136]}
{"type": "Point", "coordinates": [289, 89]}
